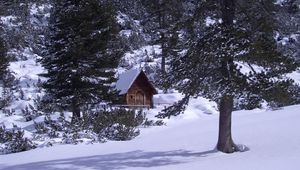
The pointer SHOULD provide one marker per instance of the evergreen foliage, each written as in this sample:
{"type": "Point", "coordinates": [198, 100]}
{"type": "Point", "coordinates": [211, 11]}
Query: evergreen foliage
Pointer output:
{"type": "Point", "coordinates": [133, 8]}
{"type": "Point", "coordinates": [95, 126]}
{"type": "Point", "coordinates": [16, 34]}
{"type": "Point", "coordinates": [3, 59]}
{"type": "Point", "coordinates": [6, 79]}
{"type": "Point", "coordinates": [116, 124]}
{"type": "Point", "coordinates": [206, 46]}
{"type": "Point", "coordinates": [289, 36]}
{"type": "Point", "coordinates": [162, 22]}
{"type": "Point", "coordinates": [212, 66]}
{"type": "Point", "coordinates": [83, 54]}
{"type": "Point", "coordinates": [13, 140]}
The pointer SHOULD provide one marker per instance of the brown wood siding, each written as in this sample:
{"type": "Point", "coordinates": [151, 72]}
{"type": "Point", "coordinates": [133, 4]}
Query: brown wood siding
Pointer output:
{"type": "Point", "coordinates": [138, 96]}
{"type": "Point", "coordinates": [140, 93]}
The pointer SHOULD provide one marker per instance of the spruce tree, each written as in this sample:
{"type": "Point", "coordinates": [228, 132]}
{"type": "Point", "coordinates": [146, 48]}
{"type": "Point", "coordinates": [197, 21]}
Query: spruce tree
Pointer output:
{"type": "Point", "coordinates": [289, 36]}
{"type": "Point", "coordinates": [83, 54]}
{"type": "Point", "coordinates": [3, 60]}
{"type": "Point", "coordinates": [162, 22]}
{"type": "Point", "coordinates": [242, 36]}
{"type": "Point", "coordinates": [5, 78]}
{"type": "Point", "coordinates": [132, 8]}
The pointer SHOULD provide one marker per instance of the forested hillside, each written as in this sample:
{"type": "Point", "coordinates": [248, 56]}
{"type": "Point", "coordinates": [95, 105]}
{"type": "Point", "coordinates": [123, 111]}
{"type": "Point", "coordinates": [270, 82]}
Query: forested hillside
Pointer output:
{"type": "Point", "coordinates": [60, 60]}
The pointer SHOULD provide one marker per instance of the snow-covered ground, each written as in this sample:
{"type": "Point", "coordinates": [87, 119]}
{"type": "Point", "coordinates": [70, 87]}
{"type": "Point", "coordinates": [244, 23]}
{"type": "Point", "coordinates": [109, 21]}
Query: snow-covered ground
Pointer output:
{"type": "Point", "coordinates": [26, 73]}
{"type": "Point", "coordinates": [272, 136]}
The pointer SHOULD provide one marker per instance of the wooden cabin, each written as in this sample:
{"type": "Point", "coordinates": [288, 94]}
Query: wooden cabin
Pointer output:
{"type": "Point", "coordinates": [135, 89]}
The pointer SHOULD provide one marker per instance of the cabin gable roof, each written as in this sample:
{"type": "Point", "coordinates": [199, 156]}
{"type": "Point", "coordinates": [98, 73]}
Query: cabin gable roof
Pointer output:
{"type": "Point", "coordinates": [127, 79]}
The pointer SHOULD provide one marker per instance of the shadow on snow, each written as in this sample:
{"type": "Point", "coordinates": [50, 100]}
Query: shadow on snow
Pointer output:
{"type": "Point", "coordinates": [116, 161]}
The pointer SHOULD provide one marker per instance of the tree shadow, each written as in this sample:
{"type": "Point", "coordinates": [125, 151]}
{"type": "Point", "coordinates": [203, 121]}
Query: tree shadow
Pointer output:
{"type": "Point", "coordinates": [115, 161]}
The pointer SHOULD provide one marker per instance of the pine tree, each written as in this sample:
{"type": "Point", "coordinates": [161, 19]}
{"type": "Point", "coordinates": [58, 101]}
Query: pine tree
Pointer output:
{"type": "Point", "coordinates": [212, 66]}
{"type": "Point", "coordinates": [289, 36]}
{"type": "Point", "coordinates": [163, 23]}
{"type": "Point", "coordinates": [132, 8]}
{"type": "Point", "coordinates": [83, 54]}
{"type": "Point", "coordinates": [3, 60]}
{"type": "Point", "coordinates": [6, 78]}
{"type": "Point", "coordinates": [16, 34]}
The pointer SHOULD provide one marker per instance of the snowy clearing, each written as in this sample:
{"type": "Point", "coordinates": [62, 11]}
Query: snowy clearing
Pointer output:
{"type": "Point", "coordinates": [272, 136]}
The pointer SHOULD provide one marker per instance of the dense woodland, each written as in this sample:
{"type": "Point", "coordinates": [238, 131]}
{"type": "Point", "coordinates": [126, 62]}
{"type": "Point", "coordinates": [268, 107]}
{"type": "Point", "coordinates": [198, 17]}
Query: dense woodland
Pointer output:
{"type": "Point", "coordinates": [205, 46]}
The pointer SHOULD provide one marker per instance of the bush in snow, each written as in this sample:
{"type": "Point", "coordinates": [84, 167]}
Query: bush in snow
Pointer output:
{"type": "Point", "coordinates": [49, 127]}
{"type": "Point", "coordinates": [148, 123]}
{"type": "Point", "coordinates": [29, 113]}
{"type": "Point", "coordinates": [6, 97]}
{"type": "Point", "coordinates": [101, 125]}
{"type": "Point", "coordinates": [76, 131]}
{"type": "Point", "coordinates": [71, 132]}
{"type": "Point", "coordinates": [7, 83]}
{"type": "Point", "coordinates": [95, 126]}
{"type": "Point", "coordinates": [44, 104]}
{"type": "Point", "coordinates": [116, 124]}
{"type": "Point", "coordinates": [120, 132]}
{"type": "Point", "coordinates": [13, 140]}
{"type": "Point", "coordinates": [63, 131]}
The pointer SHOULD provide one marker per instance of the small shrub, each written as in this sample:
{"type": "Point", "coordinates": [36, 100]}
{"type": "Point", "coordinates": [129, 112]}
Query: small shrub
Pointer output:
{"type": "Point", "coordinates": [40, 128]}
{"type": "Point", "coordinates": [49, 127]}
{"type": "Point", "coordinates": [117, 124]}
{"type": "Point", "coordinates": [95, 126]}
{"type": "Point", "coordinates": [13, 141]}
{"type": "Point", "coordinates": [121, 132]}
{"type": "Point", "coordinates": [148, 123]}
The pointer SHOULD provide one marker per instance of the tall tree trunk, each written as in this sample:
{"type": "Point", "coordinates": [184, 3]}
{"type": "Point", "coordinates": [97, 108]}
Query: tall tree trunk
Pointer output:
{"type": "Point", "coordinates": [225, 142]}
{"type": "Point", "coordinates": [163, 27]}
{"type": "Point", "coordinates": [164, 53]}
{"type": "Point", "coordinates": [75, 109]}
{"type": "Point", "coordinates": [75, 99]}
{"type": "Point", "coordinates": [228, 12]}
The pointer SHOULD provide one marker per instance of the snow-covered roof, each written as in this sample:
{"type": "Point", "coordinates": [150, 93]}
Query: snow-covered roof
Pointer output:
{"type": "Point", "coordinates": [126, 80]}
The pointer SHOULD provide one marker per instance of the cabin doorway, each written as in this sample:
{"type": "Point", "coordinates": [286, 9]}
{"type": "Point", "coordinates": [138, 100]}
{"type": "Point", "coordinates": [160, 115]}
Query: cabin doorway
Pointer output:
{"type": "Point", "coordinates": [139, 98]}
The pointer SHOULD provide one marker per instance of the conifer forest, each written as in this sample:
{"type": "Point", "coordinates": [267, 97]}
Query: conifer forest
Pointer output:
{"type": "Point", "coordinates": [62, 61]}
